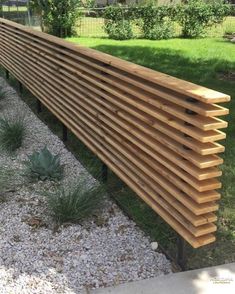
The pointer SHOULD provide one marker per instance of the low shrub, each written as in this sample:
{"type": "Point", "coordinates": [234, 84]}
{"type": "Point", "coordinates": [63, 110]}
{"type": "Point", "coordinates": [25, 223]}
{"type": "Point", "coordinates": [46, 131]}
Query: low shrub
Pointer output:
{"type": "Point", "coordinates": [58, 17]}
{"type": "Point", "coordinates": [43, 165]}
{"type": "Point", "coordinates": [160, 31]}
{"type": "Point", "coordinates": [197, 15]}
{"type": "Point", "coordinates": [12, 133]}
{"type": "Point", "coordinates": [118, 23]}
{"type": "Point", "coordinates": [76, 203]}
{"type": "Point", "coordinates": [120, 30]}
{"type": "Point", "coordinates": [155, 22]}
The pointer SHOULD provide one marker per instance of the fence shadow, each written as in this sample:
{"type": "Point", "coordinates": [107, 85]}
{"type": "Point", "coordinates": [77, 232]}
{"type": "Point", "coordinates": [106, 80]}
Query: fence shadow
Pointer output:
{"type": "Point", "coordinates": [171, 61]}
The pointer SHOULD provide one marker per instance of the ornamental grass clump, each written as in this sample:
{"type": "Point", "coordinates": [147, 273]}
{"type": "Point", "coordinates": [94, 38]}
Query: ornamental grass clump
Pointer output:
{"type": "Point", "coordinates": [75, 203]}
{"type": "Point", "coordinates": [43, 165]}
{"type": "Point", "coordinates": [12, 133]}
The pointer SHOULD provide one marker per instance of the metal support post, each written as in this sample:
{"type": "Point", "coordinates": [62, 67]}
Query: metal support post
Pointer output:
{"type": "Point", "coordinates": [39, 106]}
{"type": "Point", "coordinates": [181, 253]}
{"type": "Point", "coordinates": [65, 133]}
{"type": "Point", "coordinates": [20, 87]}
{"type": "Point", "coordinates": [104, 173]}
{"type": "Point", "coordinates": [7, 74]}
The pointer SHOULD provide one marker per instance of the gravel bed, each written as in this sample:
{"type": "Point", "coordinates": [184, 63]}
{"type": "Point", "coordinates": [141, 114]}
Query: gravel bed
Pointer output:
{"type": "Point", "coordinates": [36, 256]}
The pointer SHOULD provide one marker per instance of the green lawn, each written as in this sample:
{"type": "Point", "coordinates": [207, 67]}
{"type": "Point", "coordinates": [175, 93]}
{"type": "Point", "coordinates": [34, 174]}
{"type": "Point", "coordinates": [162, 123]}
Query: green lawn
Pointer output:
{"type": "Point", "coordinates": [207, 62]}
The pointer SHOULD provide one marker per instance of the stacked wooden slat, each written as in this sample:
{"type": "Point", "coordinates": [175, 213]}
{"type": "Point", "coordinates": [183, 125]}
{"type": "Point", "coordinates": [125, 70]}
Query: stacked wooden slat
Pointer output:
{"type": "Point", "coordinates": [157, 133]}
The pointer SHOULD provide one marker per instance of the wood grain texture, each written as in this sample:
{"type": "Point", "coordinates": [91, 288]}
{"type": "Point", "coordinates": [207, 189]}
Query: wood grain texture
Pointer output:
{"type": "Point", "coordinates": [157, 133]}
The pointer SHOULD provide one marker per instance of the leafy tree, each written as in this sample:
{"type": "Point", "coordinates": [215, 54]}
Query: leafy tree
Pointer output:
{"type": "Point", "coordinates": [58, 16]}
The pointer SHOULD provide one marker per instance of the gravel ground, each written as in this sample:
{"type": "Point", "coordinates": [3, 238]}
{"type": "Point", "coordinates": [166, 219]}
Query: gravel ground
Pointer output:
{"type": "Point", "coordinates": [36, 256]}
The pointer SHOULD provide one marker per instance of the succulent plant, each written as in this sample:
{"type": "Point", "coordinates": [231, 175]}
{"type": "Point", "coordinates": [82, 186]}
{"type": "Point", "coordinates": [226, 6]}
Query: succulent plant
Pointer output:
{"type": "Point", "coordinates": [43, 165]}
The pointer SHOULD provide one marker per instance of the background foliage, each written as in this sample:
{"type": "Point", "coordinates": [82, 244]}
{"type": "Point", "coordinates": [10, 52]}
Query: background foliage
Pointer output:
{"type": "Point", "coordinates": [58, 17]}
{"type": "Point", "coordinates": [157, 22]}
{"type": "Point", "coordinates": [198, 15]}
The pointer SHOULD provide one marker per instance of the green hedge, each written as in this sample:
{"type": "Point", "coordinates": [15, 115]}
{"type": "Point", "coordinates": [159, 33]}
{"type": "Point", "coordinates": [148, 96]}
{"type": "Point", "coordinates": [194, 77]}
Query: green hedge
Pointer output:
{"type": "Point", "coordinates": [157, 22]}
{"type": "Point", "coordinates": [197, 15]}
{"type": "Point", "coordinates": [118, 22]}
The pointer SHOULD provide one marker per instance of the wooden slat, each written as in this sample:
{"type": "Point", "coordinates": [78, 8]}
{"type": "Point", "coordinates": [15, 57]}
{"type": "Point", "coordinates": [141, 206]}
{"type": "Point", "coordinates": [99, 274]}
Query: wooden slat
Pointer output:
{"type": "Point", "coordinates": [196, 243]}
{"type": "Point", "coordinates": [167, 141]}
{"type": "Point", "coordinates": [187, 142]}
{"type": "Point", "coordinates": [171, 120]}
{"type": "Point", "coordinates": [199, 121]}
{"type": "Point", "coordinates": [203, 229]}
{"type": "Point", "coordinates": [198, 92]}
{"type": "Point", "coordinates": [202, 187]}
{"type": "Point", "coordinates": [156, 132]}
{"type": "Point", "coordinates": [197, 210]}
{"type": "Point", "coordinates": [201, 108]}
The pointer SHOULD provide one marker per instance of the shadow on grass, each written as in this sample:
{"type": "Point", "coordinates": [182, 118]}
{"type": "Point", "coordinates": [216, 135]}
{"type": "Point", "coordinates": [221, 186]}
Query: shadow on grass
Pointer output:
{"type": "Point", "coordinates": [205, 72]}
{"type": "Point", "coordinates": [172, 62]}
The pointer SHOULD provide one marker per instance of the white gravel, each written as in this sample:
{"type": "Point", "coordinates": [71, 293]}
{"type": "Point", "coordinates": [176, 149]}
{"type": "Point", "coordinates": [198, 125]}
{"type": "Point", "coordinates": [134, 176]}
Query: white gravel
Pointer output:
{"type": "Point", "coordinates": [38, 257]}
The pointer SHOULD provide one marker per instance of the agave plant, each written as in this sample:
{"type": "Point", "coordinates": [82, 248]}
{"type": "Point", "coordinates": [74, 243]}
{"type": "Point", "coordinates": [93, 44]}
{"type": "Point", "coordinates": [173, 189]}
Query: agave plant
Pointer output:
{"type": "Point", "coordinates": [43, 165]}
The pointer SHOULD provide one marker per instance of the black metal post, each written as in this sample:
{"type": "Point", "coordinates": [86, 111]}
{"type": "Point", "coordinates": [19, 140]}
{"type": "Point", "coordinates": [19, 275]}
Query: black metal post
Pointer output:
{"type": "Point", "coordinates": [181, 253]}
{"type": "Point", "coordinates": [39, 106]}
{"type": "Point", "coordinates": [20, 87]}
{"type": "Point", "coordinates": [7, 74]}
{"type": "Point", "coordinates": [104, 173]}
{"type": "Point", "coordinates": [65, 133]}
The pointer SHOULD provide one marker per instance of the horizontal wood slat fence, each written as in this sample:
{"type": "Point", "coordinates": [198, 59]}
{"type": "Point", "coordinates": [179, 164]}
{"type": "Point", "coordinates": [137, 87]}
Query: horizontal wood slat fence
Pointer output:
{"type": "Point", "coordinates": [157, 133]}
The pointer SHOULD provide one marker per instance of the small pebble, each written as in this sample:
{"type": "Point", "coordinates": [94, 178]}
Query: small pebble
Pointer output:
{"type": "Point", "coordinates": [154, 246]}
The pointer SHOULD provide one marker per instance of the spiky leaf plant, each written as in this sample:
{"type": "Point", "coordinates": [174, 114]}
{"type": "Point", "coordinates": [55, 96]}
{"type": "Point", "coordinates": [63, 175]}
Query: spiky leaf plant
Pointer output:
{"type": "Point", "coordinates": [43, 165]}
{"type": "Point", "coordinates": [76, 203]}
{"type": "Point", "coordinates": [12, 133]}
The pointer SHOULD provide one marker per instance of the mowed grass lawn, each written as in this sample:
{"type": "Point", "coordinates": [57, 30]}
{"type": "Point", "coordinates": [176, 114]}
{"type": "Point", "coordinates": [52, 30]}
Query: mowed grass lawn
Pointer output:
{"type": "Point", "coordinates": [209, 62]}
